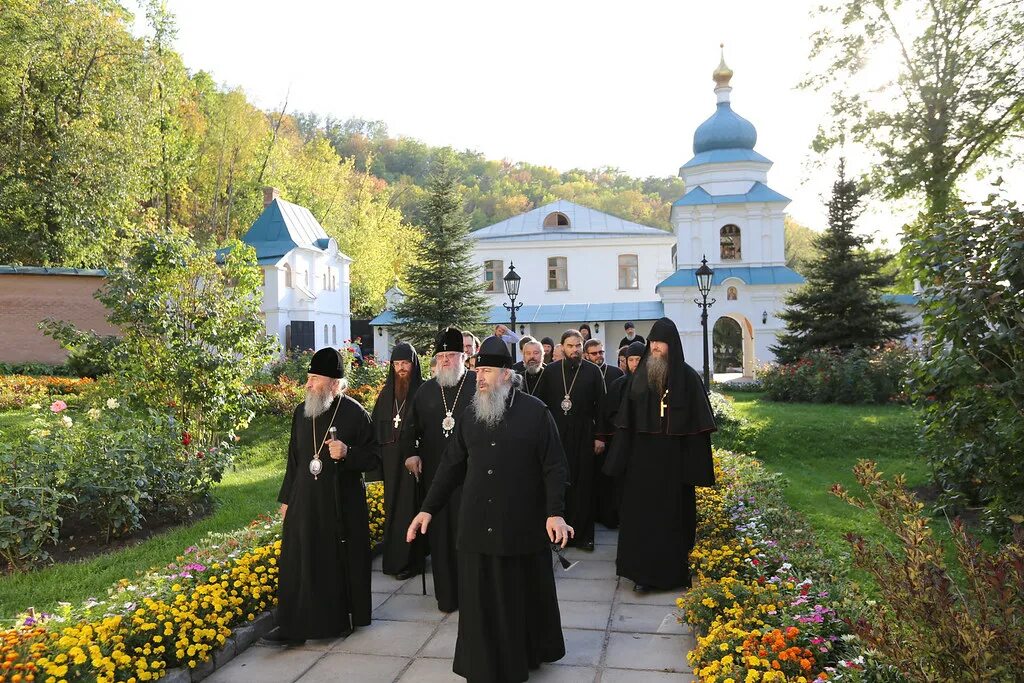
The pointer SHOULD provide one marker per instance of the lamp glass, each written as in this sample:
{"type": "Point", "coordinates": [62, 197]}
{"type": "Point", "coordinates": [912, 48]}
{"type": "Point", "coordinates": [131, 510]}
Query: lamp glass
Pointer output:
{"type": "Point", "coordinates": [512, 282]}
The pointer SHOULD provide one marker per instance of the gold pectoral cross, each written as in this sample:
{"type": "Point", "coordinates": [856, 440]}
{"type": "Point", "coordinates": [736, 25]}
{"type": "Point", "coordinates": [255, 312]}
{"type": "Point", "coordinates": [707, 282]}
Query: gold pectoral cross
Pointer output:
{"type": "Point", "coordinates": [663, 404]}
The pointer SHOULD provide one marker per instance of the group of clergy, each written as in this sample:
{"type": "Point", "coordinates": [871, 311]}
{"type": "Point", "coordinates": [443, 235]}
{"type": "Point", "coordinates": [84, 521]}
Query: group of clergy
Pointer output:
{"type": "Point", "coordinates": [488, 470]}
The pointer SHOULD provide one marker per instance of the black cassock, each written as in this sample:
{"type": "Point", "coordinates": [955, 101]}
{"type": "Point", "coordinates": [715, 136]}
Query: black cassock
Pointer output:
{"type": "Point", "coordinates": [425, 437]}
{"type": "Point", "coordinates": [324, 581]}
{"type": "Point", "coordinates": [577, 429]}
{"type": "Point", "coordinates": [530, 382]}
{"type": "Point", "coordinates": [608, 489]}
{"type": "Point", "coordinates": [513, 478]}
{"type": "Point", "coordinates": [400, 487]}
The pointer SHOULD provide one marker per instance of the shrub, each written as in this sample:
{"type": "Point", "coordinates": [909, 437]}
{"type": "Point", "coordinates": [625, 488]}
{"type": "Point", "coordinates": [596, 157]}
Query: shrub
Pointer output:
{"type": "Point", "coordinates": [929, 624]}
{"type": "Point", "coordinates": [29, 504]}
{"type": "Point", "coordinates": [828, 376]}
{"type": "Point", "coordinates": [279, 398]}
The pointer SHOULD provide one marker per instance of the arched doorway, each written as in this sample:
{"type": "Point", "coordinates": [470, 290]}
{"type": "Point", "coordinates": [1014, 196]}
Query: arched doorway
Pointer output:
{"type": "Point", "coordinates": [727, 346]}
{"type": "Point", "coordinates": [732, 345]}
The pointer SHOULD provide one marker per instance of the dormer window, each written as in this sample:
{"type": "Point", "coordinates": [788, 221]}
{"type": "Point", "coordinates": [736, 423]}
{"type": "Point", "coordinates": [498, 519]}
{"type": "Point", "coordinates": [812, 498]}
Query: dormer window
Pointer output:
{"type": "Point", "coordinates": [556, 219]}
{"type": "Point", "coordinates": [730, 243]}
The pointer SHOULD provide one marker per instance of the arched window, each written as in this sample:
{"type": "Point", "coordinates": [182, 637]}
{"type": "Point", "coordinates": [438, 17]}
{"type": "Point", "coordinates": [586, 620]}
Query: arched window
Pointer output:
{"type": "Point", "coordinates": [334, 282]}
{"type": "Point", "coordinates": [730, 241]}
{"type": "Point", "coordinates": [325, 280]}
{"type": "Point", "coordinates": [334, 334]}
{"type": "Point", "coordinates": [326, 340]}
{"type": "Point", "coordinates": [629, 271]}
{"type": "Point", "coordinates": [287, 276]}
{"type": "Point", "coordinates": [556, 219]}
{"type": "Point", "coordinates": [731, 294]}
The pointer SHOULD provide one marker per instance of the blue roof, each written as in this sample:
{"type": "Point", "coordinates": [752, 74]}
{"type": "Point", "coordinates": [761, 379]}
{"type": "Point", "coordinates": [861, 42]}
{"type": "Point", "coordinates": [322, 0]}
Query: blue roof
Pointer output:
{"type": "Point", "coordinates": [725, 129]}
{"type": "Point", "coordinates": [902, 299]}
{"type": "Point", "coordinates": [751, 275]}
{"type": "Point", "coordinates": [720, 156]}
{"type": "Point", "coordinates": [281, 227]}
{"type": "Point", "coordinates": [562, 313]}
{"type": "Point", "coordinates": [758, 192]}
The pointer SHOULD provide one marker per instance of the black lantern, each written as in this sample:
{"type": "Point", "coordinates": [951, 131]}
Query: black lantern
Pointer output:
{"type": "Point", "coordinates": [764, 317]}
{"type": "Point", "coordinates": [512, 280]}
{"type": "Point", "coordinates": [704, 277]}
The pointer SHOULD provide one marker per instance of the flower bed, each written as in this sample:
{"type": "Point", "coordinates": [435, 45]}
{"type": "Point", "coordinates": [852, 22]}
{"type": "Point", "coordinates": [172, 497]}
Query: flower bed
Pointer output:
{"type": "Point", "coordinates": [176, 616]}
{"type": "Point", "coordinates": [764, 606]}
{"type": "Point", "coordinates": [828, 376]}
{"type": "Point", "coordinates": [20, 391]}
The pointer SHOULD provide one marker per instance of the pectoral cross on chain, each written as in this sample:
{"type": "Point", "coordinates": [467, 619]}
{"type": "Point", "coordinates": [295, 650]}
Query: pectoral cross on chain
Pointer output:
{"type": "Point", "coordinates": [397, 420]}
{"type": "Point", "coordinates": [663, 404]}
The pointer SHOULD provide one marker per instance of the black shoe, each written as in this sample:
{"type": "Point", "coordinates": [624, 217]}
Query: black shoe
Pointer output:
{"type": "Point", "coordinates": [641, 588]}
{"type": "Point", "coordinates": [448, 610]}
{"type": "Point", "coordinates": [406, 574]}
{"type": "Point", "coordinates": [276, 639]}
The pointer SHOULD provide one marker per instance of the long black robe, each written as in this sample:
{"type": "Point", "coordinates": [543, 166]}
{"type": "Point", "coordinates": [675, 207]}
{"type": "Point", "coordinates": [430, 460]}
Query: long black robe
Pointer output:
{"type": "Point", "coordinates": [425, 437]}
{"type": "Point", "coordinates": [530, 382]}
{"type": "Point", "coordinates": [608, 489]}
{"type": "Point", "coordinates": [401, 493]}
{"type": "Point", "coordinates": [577, 429]}
{"type": "Point", "coordinates": [324, 581]}
{"type": "Point", "coordinates": [515, 477]}
{"type": "Point", "coordinates": [663, 458]}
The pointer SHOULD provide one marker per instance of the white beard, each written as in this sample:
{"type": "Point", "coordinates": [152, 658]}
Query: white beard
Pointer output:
{"type": "Point", "coordinates": [318, 403]}
{"type": "Point", "coordinates": [532, 369]}
{"type": "Point", "coordinates": [490, 407]}
{"type": "Point", "coordinates": [449, 377]}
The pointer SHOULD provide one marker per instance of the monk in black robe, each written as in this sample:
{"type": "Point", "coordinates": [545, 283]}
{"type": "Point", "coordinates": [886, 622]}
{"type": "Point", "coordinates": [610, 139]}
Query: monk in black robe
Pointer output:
{"type": "Point", "coordinates": [324, 582]}
{"type": "Point", "coordinates": [573, 390]}
{"type": "Point", "coordinates": [605, 505]}
{"type": "Point", "coordinates": [531, 368]}
{"type": "Point", "coordinates": [609, 488]}
{"type": "Point", "coordinates": [401, 502]}
{"type": "Point", "coordinates": [436, 411]}
{"type": "Point", "coordinates": [663, 446]}
{"type": "Point", "coordinates": [507, 455]}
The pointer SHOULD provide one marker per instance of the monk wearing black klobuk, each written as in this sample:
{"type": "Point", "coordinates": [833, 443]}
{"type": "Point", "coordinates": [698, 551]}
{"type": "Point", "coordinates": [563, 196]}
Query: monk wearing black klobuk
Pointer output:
{"type": "Point", "coordinates": [507, 456]}
{"type": "Point", "coordinates": [662, 446]}
{"type": "Point", "coordinates": [573, 389]}
{"type": "Point", "coordinates": [401, 503]}
{"type": "Point", "coordinates": [324, 581]}
{"type": "Point", "coordinates": [437, 409]}
{"type": "Point", "coordinates": [609, 488]}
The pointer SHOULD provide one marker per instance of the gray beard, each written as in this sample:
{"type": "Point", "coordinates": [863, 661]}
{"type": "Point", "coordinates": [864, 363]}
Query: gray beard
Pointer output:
{"type": "Point", "coordinates": [449, 377]}
{"type": "Point", "coordinates": [317, 403]}
{"type": "Point", "coordinates": [490, 407]}
{"type": "Point", "coordinates": [657, 373]}
{"type": "Point", "coordinates": [532, 369]}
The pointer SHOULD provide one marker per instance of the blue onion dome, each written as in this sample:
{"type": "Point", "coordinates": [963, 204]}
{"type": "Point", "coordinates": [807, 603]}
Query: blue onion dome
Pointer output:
{"type": "Point", "coordinates": [725, 129]}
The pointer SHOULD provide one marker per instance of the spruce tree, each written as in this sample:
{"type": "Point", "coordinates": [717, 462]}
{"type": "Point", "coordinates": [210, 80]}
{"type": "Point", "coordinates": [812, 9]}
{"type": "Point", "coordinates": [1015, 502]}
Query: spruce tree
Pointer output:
{"type": "Point", "coordinates": [841, 306]}
{"type": "Point", "coordinates": [445, 282]}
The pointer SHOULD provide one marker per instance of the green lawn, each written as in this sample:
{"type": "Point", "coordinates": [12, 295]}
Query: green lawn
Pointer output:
{"type": "Point", "coordinates": [815, 446]}
{"type": "Point", "coordinates": [245, 492]}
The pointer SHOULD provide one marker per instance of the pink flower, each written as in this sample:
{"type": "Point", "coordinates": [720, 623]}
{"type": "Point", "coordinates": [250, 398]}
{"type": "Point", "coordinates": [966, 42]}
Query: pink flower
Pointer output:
{"type": "Point", "coordinates": [58, 406]}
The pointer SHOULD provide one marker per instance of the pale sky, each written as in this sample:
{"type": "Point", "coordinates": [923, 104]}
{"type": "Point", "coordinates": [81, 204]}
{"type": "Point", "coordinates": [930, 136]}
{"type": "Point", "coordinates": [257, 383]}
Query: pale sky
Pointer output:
{"type": "Point", "coordinates": [559, 83]}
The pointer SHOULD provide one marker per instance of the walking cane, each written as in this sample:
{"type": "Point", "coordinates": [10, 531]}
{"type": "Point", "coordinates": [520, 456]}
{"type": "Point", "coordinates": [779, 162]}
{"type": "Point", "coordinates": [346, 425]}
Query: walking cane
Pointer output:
{"type": "Point", "coordinates": [422, 537]}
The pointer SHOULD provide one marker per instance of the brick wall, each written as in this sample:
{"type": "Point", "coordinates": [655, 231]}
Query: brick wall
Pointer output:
{"type": "Point", "coordinates": [27, 299]}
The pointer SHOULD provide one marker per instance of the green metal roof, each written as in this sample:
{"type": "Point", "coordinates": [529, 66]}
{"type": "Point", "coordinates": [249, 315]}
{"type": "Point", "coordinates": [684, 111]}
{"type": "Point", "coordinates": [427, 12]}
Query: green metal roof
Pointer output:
{"type": "Point", "coordinates": [40, 270]}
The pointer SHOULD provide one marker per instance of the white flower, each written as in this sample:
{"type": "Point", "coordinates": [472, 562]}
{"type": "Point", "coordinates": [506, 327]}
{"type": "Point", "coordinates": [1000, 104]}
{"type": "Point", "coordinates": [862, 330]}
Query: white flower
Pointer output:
{"type": "Point", "coordinates": [36, 406]}
{"type": "Point", "coordinates": [94, 414]}
{"type": "Point", "coordinates": [112, 403]}
{"type": "Point", "coordinates": [66, 420]}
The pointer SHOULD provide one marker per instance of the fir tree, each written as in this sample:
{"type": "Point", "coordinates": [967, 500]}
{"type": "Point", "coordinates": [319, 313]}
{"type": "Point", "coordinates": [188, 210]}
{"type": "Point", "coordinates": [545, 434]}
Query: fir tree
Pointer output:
{"type": "Point", "coordinates": [841, 306]}
{"type": "Point", "coordinates": [445, 282]}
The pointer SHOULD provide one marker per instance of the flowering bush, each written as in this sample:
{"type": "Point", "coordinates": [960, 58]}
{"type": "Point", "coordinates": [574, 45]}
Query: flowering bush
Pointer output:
{"type": "Point", "coordinates": [763, 607]}
{"type": "Point", "coordinates": [375, 505]}
{"type": "Point", "coordinates": [19, 391]}
{"type": "Point", "coordinates": [279, 398]}
{"type": "Point", "coordinates": [828, 376]}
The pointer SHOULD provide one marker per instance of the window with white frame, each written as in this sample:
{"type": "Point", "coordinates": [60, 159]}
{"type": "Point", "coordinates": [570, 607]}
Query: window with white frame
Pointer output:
{"type": "Point", "coordinates": [730, 242]}
{"type": "Point", "coordinates": [493, 277]}
{"type": "Point", "coordinates": [558, 277]}
{"type": "Point", "coordinates": [629, 271]}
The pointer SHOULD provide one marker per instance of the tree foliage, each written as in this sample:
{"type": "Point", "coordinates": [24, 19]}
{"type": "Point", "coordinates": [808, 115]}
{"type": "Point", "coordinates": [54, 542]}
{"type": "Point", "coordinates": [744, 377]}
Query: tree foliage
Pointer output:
{"type": "Point", "coordinates": [951, 98]}
{"type": "Point", "coordinates": [971, 383]}
{"type": "Point", "coordinates": [445, 282]}
{"type": "Point", "coordinates": [841, 306]}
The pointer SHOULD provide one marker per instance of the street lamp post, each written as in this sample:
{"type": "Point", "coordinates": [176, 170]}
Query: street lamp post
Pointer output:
{"type": "Point", "coordinates": [512, 288]}
{"type": "Point", "coordinates": [704, 277]}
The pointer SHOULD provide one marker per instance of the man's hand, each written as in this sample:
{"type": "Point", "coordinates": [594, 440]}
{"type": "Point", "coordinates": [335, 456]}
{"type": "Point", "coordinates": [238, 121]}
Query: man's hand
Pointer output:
{"type": "Point", "coordinates": [284, 510]}
{"type": "Point", "coordinates": [598, 446]}
{"type": "Point", "coordinates": [500, 331]}
{"type": "Point", "coordinates": [558, 531]}
{"type": "Point", "coordinates": [419, 524]}
{"type": "Point", "coordinates": [414, 465]}
{"type": "Point", "coordinates": [338, 449]}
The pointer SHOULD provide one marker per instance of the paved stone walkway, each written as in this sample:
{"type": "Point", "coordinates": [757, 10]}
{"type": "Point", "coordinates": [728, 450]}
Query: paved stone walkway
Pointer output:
{"type": "Point", "coordinates": [612, 635]}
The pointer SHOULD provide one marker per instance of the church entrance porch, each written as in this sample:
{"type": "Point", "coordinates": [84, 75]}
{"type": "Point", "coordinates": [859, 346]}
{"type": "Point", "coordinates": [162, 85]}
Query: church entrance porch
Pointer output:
{"type": "Point", "coordinates": [732, 345]}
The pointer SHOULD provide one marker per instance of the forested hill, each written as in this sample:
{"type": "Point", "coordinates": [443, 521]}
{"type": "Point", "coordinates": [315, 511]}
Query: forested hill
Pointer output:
{"type": "Point", "coordinates": [493, 189]}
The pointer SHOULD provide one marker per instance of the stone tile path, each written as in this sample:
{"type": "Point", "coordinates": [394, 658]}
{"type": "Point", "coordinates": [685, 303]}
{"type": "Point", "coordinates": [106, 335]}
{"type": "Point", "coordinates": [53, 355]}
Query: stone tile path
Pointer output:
{"type": "Point", "coordinates": [612, 635]}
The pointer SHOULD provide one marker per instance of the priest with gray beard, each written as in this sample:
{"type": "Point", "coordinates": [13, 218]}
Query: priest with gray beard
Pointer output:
{"type": "Point", "coordinates": [531, 368]}
{"type": "Point", "coordinates": [435, 411]}
{"type": "Point", "coordinates": [662, 445]}
{"type": "Point", "coordinates": [507, 456]}
{"type": "Point", "coordinates": [324, 583]}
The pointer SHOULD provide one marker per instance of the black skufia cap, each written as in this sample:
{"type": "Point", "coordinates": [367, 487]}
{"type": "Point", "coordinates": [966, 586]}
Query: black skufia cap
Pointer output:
{"type": "Point", "coordinates": [327, 362]}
